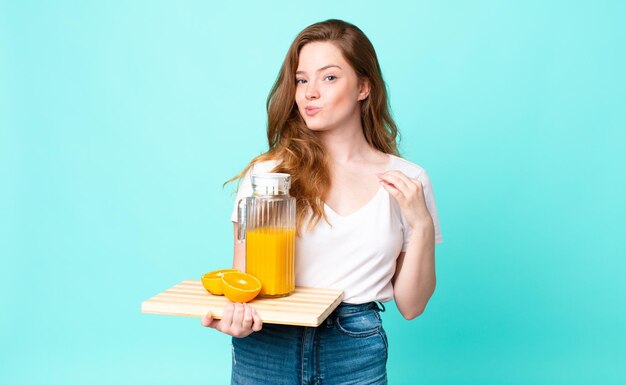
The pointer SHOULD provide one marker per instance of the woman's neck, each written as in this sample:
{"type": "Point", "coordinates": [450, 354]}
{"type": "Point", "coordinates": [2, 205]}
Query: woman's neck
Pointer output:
{"type": "Point", "coordinates": [346, 144]}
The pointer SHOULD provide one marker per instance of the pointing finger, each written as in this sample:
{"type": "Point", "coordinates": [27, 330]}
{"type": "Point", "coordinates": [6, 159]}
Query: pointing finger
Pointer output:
{"type": "Point", "coordinates": [258, 323]}
{"type": "Point", "coordinates": [398, 180]}
{"type": "Point", "coordinates": [247, 316]}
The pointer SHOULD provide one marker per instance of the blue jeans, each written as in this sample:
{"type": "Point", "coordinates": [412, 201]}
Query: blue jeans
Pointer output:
{"type": "Point", "coordinates": [349, 347]}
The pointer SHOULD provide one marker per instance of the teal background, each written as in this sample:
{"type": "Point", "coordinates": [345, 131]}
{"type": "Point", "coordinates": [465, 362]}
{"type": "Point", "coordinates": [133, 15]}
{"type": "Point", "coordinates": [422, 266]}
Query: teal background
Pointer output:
{"type": "Point", "coordinates": [119, 122]}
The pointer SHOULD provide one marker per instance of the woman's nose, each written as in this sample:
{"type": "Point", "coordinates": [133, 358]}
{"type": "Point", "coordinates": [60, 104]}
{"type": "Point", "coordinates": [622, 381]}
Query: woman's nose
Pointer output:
{"type": "Point", "coordinates": [311, 91]}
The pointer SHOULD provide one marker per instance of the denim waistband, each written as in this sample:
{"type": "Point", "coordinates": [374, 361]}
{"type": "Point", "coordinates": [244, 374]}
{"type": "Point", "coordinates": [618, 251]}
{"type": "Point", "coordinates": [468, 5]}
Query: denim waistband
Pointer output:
{"type": "Point", "coordinates": [349, 308]}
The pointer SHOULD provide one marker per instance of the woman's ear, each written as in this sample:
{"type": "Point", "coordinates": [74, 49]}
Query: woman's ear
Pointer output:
{"type": "Point", "coordinates": [364, 88]}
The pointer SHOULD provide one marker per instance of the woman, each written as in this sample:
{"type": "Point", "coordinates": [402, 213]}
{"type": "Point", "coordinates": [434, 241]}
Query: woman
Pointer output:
{"type": "Point", "coordinates": [366, 218]}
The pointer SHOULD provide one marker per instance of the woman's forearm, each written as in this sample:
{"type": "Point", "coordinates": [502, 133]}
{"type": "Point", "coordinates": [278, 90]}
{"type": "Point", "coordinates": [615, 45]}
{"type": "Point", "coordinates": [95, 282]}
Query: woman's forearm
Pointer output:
{"type": "Point", "coordinates": [414, 281]}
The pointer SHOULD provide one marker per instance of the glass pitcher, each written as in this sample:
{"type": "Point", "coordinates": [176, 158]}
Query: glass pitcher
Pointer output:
{"type": "Point", "coordinates": [267, 223]}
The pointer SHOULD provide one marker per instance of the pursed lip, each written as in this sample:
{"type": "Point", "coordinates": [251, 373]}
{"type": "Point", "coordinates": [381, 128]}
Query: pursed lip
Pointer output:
{"type": "Point", "coordinates": [310, 110]}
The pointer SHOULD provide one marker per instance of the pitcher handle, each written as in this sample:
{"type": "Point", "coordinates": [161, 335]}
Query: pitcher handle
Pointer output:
{"type": "Point", "coordinates": [241, 220]}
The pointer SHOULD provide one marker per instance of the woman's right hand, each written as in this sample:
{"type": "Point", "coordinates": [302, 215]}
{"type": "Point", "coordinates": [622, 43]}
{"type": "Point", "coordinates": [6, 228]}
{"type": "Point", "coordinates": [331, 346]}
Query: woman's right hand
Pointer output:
{"type": "Point", "coordinates": [238, 320]}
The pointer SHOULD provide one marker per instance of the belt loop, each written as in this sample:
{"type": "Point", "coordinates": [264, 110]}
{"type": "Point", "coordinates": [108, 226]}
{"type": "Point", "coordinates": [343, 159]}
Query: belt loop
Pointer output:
{"type": "Point", "coordinates": [380, 306]}
{"type": "Point", "coordinates": [329, 321]}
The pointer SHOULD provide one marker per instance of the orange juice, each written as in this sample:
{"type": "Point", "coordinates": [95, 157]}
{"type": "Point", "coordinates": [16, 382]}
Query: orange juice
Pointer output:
{"type": "Point", "coordinates": [270, 257]}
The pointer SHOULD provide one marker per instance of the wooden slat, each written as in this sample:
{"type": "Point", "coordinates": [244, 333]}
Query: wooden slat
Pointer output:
{"type": "Point", "coordinates": [306, 306]}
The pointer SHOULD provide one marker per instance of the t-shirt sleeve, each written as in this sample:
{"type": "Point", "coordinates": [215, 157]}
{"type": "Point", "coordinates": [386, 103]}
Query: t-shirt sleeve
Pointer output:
{"type": "Point", "coordinates": [429, 197]}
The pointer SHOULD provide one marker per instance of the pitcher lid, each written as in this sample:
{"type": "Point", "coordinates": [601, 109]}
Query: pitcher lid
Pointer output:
{"type": "Point", "coordinates": [273, 181]}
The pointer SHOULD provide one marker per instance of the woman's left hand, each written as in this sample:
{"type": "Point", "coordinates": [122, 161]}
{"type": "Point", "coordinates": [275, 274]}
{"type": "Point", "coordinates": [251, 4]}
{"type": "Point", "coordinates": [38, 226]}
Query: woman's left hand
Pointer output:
{"type": "Point", "coordinates": [410, 196]}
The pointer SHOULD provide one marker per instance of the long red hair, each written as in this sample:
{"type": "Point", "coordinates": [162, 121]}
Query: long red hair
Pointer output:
{"type": "Point", "coordinates": [299, 151]}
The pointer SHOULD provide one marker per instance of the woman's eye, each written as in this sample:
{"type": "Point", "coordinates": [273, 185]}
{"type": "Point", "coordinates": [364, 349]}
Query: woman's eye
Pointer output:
{"type": "Point", "coordinates": [331, 77]}
{"type": "Point", "coordinates": [300, 81]}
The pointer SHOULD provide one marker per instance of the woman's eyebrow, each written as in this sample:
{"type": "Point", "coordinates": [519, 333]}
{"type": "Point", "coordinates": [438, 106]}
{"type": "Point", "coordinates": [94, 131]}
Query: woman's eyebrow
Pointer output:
{"type": "Point", "coordinates": [321, 69]}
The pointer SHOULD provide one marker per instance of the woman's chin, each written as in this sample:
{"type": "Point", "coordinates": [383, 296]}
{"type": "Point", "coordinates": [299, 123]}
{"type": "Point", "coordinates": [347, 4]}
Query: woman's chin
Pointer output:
{"type": "Point", "coordinates": [315, 126]}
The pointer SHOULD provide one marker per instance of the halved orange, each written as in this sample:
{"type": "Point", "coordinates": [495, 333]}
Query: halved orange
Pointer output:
{"type": "Point", "coordinates": [212, 281]}
{"type": "Point", "coordinates": [240, 287]}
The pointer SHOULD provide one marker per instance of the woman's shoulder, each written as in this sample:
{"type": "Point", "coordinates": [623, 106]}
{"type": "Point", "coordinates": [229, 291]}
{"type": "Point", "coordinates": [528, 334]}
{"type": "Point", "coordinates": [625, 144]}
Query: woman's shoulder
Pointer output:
{"type": "Point", "coordinates": [264, 166]}
{"type": "Point", "coordinates": [411, 169]}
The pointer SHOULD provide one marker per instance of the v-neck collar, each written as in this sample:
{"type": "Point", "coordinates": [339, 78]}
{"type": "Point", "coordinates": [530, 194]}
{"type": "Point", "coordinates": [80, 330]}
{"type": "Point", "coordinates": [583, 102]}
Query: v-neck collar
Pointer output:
{"type": "Point", "coordinates": [380, 190]}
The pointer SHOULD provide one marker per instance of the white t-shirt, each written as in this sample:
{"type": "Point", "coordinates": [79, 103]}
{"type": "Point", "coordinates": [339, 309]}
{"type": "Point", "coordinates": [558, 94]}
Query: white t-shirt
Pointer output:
{"type": "Point", "coordinates": [358, 253]}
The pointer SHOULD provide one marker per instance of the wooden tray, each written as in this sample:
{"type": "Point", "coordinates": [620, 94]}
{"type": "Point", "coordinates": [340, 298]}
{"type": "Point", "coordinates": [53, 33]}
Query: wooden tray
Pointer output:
{"type": "Point", "coordinates": [304, 307]}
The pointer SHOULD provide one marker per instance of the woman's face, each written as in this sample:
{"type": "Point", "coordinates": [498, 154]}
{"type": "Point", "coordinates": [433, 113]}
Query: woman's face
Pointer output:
{"type": "Point", "coordinates": [327, 88]}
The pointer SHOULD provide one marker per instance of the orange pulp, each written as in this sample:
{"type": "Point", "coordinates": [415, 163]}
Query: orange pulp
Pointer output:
{"type": "Point", "coordinates": [240, 287]}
